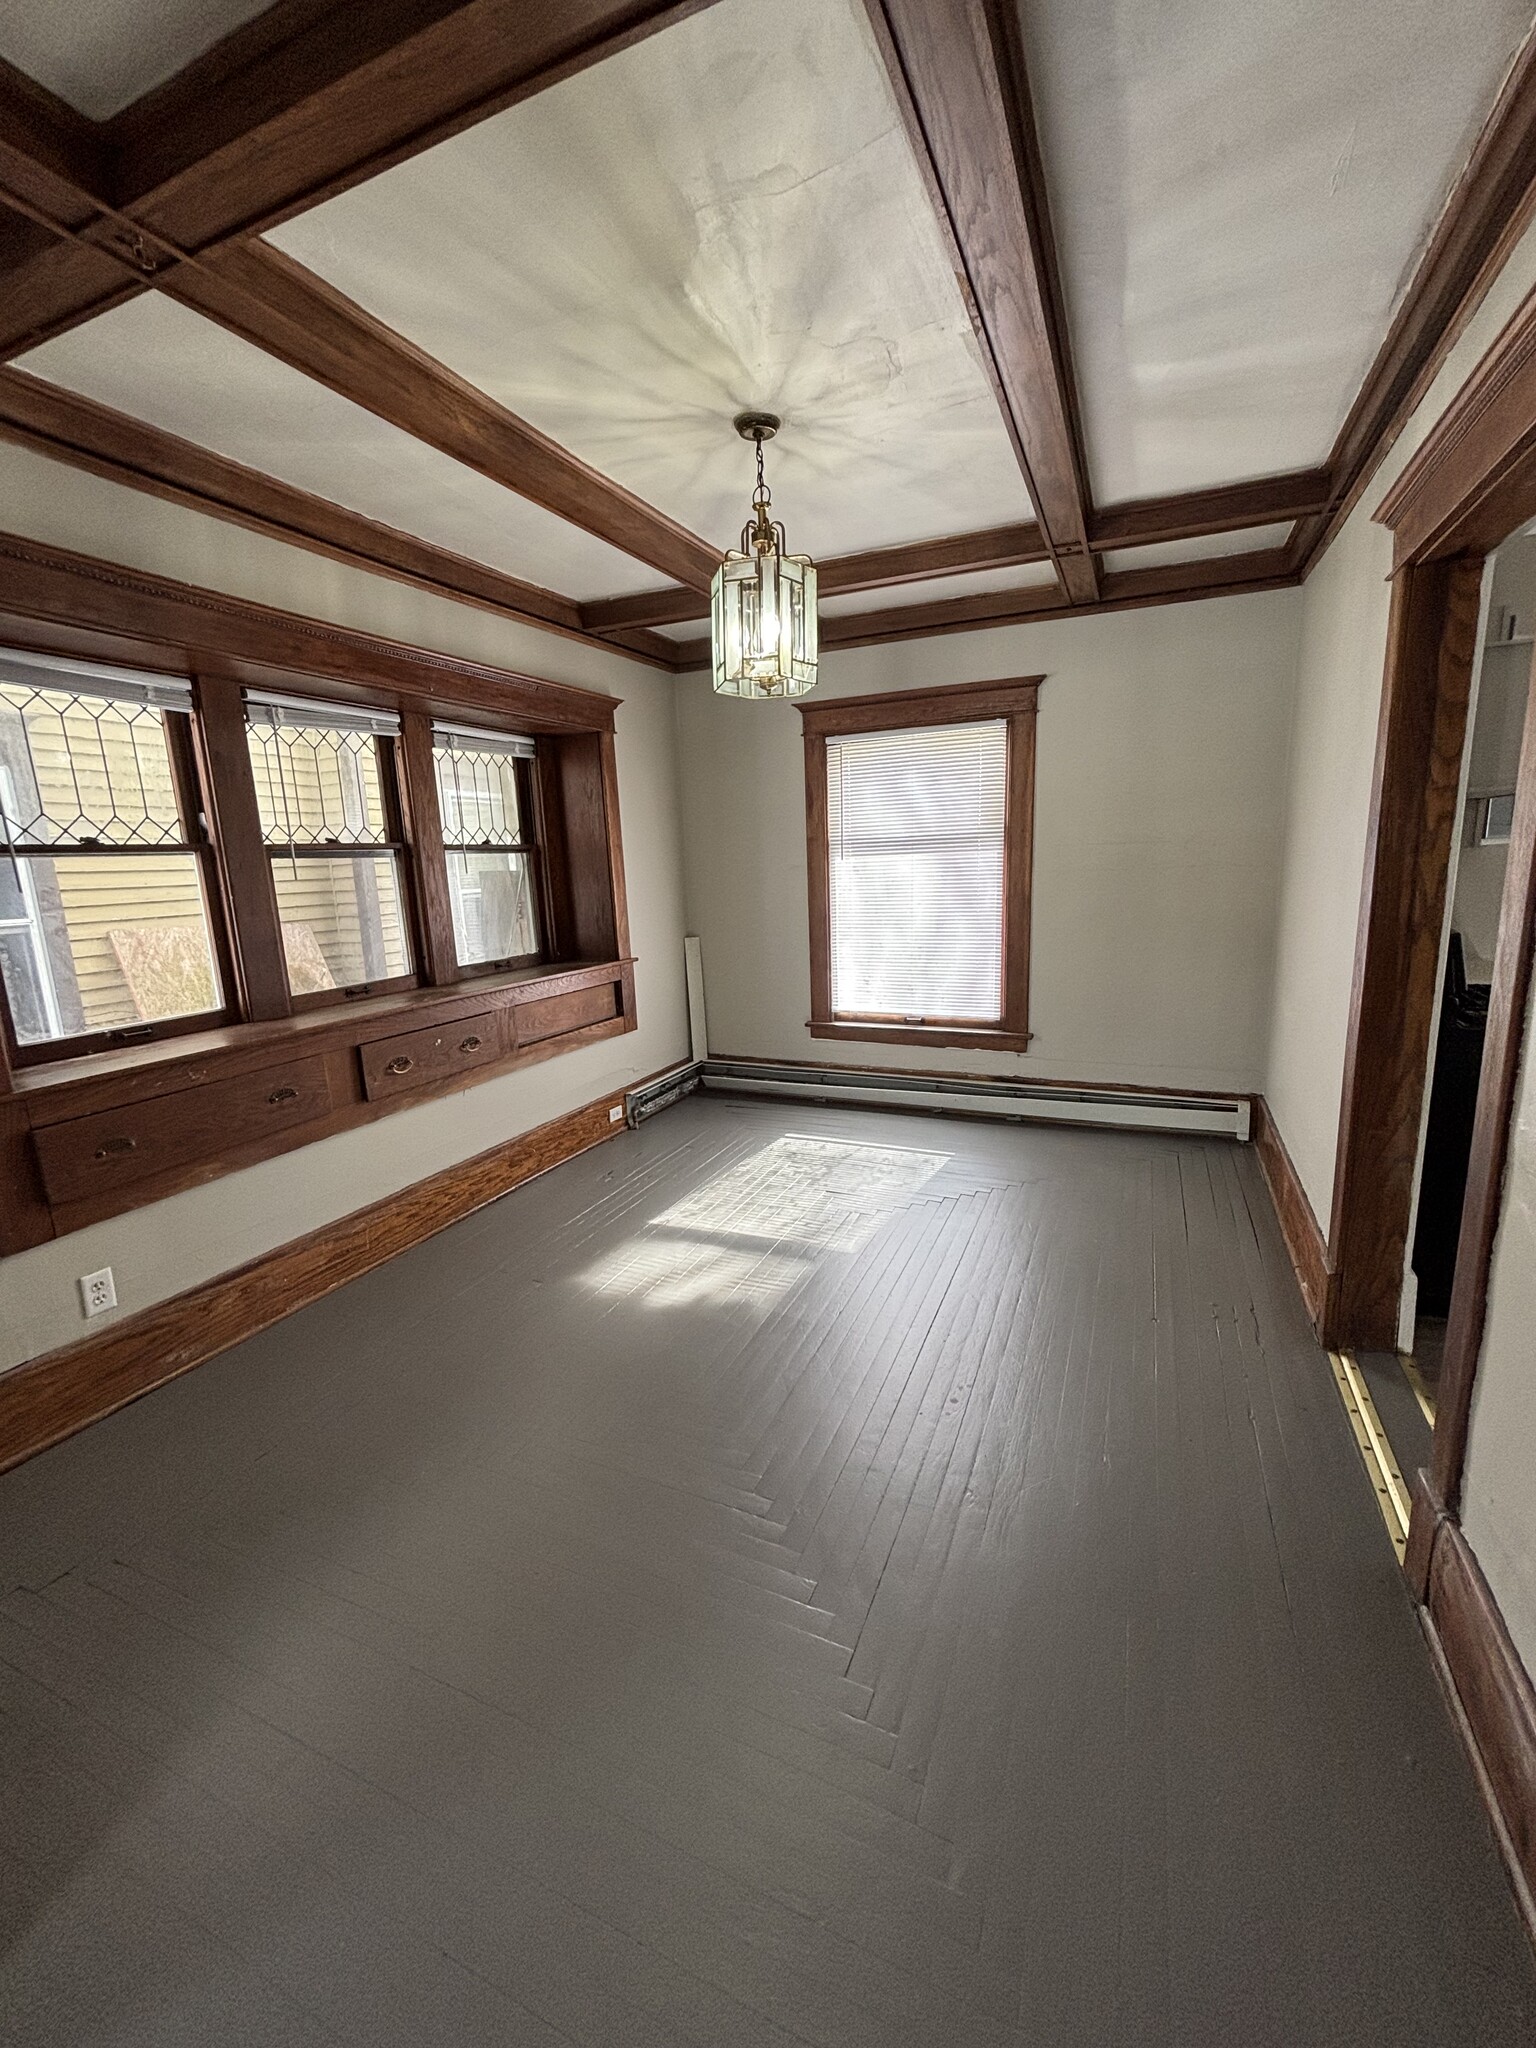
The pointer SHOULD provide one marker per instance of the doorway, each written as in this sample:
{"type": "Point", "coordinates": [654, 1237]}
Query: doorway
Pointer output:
{"type": "Point", "coordinates": [1479, 858]}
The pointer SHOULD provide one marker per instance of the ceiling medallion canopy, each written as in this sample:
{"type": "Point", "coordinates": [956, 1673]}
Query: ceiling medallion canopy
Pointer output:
{"type": "Point", "coordinates": [763, 599]}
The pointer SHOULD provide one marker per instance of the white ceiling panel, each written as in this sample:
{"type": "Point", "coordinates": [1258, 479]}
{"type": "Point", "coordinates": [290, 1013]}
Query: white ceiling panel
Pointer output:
{"type": "Point", "coordinates": [101, 54]}
{"type": "Point", "coordinates": [1239, 189]}
{"type": "Point", "coordinates": [1204, 547]}
{"type": "Point", "coordinates": [1031, 577]}
{"type": "Point", "coordinates": [160, 362]}
{"type": "Point", "coordinates": [727, 215]}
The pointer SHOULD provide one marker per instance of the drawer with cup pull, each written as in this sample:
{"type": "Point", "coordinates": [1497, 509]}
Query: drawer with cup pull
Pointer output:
{"type": "Point", "coordinates": [86, 1156]}
{"type": "Point", "coordinates": [397, 1066]}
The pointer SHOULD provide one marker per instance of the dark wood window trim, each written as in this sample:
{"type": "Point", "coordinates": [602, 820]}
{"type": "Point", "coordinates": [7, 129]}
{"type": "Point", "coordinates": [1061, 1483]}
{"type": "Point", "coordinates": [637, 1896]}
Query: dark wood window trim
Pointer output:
{"type": "Point", "coordinates": [1014, 701]}
{"type": "Point", "coordinates": [532, 844]}
{"type": "Point", "coordinates": [183, 1108]}
{"type": "Point", "coordinates": [182, 754]}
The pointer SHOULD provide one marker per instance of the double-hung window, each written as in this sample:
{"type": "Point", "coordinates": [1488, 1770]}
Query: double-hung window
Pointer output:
{"type": "Point", "coordinates": [919, 814]}
{"type": "Point", "coordinates": [107, 933]}
{"type": "Point", "coordinates": [330, 821]}
{"type": "Point", "coordinates": [485, 805]}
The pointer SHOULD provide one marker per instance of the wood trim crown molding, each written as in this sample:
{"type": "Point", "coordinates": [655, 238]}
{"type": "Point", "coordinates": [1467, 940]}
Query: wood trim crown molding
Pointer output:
{"type": "Point", "coordinates": [1488, 209]}
{"type": "Point", "coordinates": [53, 1396]}
{"type": "Point", "coordinates": [53, 598]}
{"type": "Point", "coordinates": [1464, 488]}
{"type": "Point", "coordinates": [1293, 1210]}
{"type": "Point", "coordinates": [65, 427]}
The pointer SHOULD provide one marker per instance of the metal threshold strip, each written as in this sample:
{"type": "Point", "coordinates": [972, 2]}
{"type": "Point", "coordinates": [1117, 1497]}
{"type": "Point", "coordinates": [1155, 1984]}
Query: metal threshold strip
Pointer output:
{"type": "Point", "coordinates": [1375, 1451]}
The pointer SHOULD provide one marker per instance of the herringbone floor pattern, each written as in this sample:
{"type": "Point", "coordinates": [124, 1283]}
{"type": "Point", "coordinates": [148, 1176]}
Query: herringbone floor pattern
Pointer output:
{"type": "Point", "coordinates": [787, 1577]}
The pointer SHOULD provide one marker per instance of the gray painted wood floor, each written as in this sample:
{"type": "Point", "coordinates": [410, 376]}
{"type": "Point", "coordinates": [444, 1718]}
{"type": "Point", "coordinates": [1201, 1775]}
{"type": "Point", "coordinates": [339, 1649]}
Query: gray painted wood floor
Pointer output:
{"type": "Point", "coordinates": [789, 1576]}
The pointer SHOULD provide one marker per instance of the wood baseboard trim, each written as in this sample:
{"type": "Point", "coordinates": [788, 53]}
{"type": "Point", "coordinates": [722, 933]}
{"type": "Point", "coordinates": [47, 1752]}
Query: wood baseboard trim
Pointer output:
{"type": "Point", "coordinates": [1298, 1225]}
{"type": "Point", "coordinates": [1492, 1699]}
{"type": "Point", "coordinates": [53, 1396]}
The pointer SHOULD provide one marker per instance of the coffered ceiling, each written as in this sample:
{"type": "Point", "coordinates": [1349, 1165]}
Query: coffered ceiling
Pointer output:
{"type": "Point", "coordinates": [1065, 303]}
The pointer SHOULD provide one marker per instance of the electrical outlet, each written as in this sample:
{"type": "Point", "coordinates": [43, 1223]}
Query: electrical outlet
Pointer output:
{"type": "Point", "coordinates": [616, 1113]}
{"type": "Point", "coordinates": [98, 1291]}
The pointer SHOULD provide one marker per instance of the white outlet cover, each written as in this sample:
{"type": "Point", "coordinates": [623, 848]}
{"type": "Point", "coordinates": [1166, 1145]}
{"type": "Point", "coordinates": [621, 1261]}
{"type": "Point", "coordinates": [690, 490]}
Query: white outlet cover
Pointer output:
{"type": "Point", "coordinates": [616, 1114]}
{"type": "Point", "coordinates": [98, 1292]}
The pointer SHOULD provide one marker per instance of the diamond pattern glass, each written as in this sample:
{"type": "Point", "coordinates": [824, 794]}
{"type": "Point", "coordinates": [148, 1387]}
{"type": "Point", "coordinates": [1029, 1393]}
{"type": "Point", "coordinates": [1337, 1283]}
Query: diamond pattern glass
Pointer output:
{"type": "Point", "coordinates": [85, 771]}
{"type": "Point", "coordinates": [317, 785]}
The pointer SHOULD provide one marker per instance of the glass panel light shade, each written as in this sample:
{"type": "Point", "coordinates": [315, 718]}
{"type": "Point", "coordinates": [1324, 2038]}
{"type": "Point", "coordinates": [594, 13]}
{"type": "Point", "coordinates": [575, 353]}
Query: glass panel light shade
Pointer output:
{"type": "Point", "coordinates": [762, 603]}
{"type": "Point", "coordinates": [763, 625]}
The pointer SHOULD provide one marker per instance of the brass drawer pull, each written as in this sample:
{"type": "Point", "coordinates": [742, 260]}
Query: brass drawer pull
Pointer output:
{"type": "Point", "coordinates": [113, 1146]}
{"type": "Point", "coordinates": [400, 1064]}
{"type": "Point", "coordinates": [470, 1044]}
{"type": "Point", "coordinates": [284, 1095]}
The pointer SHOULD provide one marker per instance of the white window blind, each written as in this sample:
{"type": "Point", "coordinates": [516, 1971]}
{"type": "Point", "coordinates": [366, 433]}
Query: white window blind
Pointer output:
{"type": "Point", "coordinates": [915, 863]}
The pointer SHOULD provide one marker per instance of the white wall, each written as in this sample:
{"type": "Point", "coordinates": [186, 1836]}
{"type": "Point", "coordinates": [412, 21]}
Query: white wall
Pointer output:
{"type": "Point", "coordinates": [1159, 814]}
{"type": "Point", "coordinates": [1343, 649]}
{"type": "Point", "coordinates": [172, 1245]}
{"type": "Point", "coordinates": [1343, 653]}
{"type": "Point", "coordinates": [1493, 752]}
{"type": "Point", "coordinates": [1499, 1484]}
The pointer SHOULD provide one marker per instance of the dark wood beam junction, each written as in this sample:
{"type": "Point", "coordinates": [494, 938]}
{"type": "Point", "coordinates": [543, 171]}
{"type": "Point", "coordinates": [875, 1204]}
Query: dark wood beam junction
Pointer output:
{"type": "Point", "coordinates": [306, 100]}
{"type": "Point", "coordinates": [300, 142]}
{"type": "Point", "coordinates": [1122, 590]}
{"type": "Point", "coordinates": [1142, 522]}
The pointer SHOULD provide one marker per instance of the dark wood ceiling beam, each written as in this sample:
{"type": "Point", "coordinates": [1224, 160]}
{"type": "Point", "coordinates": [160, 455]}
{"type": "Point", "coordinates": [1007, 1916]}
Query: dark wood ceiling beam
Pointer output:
{"type": "Point", "coordinates": [42, 138]}
{"type": "Point", "coordinates": [1490, 206]}
{"type": "Point", "coordinates": [1142, 522]}
{"type": "Point", "coordinates": [284, 309]}
{"type": "Point", "coordinates": [957, 72]}
{"type": "Point", "coordinates": [68, 428]}
{"type": "Point", "coordinates": [273, 302]}
{"type": "Point", "coordinates": [998, 547]}
{"type": "Point", "coordinates": [1227, 508]}
{"type": "Point", "coordinates": [251, 136]}
{"type": "Point", "coordinates": [302, 102]}
{"type": "Point", "coordinates": [1122, 590]}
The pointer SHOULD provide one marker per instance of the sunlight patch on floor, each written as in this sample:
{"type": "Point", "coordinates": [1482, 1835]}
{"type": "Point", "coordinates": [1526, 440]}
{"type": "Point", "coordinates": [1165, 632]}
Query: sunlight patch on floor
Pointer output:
{"type": "Point", "coordinates": [757, 1228]}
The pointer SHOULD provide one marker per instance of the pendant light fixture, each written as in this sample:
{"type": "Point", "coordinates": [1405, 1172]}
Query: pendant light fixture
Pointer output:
{"type": "Point", "coordinates": [763, 600]}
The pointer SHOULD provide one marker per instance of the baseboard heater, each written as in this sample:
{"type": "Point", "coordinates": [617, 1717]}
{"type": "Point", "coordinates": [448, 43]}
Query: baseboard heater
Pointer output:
{"type": "Point", "coordinates": [1047, 1102]}
{"type": "Point", "coordinates": [661, 1092]}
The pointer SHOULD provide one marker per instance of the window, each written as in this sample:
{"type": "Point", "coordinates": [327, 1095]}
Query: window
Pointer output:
{"type": "Point", "coordinates": [919, 816]}
{"type": "Point", "coordinates": [1496, 820]}
{"type": "Point", "coordinates": [105, 927]}
{"type": "Point", "coordinates": [484, 802]}
{"type": "Point", "coordinates": [178, 853]}
{"type": "Point", "coordinates": [328, 819]}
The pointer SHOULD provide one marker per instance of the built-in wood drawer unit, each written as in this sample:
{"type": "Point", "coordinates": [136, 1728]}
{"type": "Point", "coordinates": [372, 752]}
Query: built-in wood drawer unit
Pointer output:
{"type": "Point", "coordinates": [418, 1059]}
{"type": "Point", "coordinates": [104, 1135]}
{"type": "Point", "coordinates": [551, 1016]}
{"type": "Point", "coordinates": [88, 1156]}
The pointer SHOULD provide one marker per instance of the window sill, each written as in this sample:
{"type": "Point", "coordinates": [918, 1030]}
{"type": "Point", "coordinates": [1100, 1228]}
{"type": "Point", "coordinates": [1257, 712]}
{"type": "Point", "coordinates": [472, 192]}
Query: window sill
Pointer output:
{"type": "Point", "coordinates": [981, 1037]}
{"type": "Point", "coordinates": [230, 1047]}
{"type": "Point", "coordinates": [95, 1136]}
